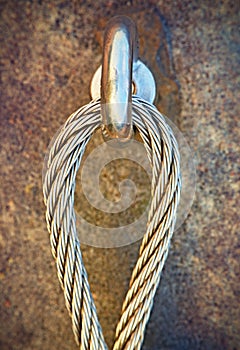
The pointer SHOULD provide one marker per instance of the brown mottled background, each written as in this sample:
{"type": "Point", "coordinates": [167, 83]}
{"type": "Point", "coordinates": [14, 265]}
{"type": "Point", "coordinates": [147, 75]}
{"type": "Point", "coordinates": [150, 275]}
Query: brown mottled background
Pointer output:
{"type": "Point", "coordinates": [49, 51]}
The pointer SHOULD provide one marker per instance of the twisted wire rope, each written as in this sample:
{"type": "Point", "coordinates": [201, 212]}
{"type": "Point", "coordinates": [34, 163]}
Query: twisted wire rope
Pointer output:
{"type": "Point", "coordinates": [64, 159]}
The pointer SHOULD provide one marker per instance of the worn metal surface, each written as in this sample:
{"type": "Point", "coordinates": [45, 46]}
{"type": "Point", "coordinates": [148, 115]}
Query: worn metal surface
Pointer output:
{"type": "Point", "coordinates": [49, 52]}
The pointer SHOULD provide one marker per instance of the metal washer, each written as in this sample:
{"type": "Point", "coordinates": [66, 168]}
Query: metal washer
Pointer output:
{"type": "Point", "coordinates": [143, 82]}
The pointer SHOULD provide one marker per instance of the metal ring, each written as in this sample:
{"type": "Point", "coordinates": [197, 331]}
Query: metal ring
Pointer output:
{"type": "Point", "coordinates": [120, 50]}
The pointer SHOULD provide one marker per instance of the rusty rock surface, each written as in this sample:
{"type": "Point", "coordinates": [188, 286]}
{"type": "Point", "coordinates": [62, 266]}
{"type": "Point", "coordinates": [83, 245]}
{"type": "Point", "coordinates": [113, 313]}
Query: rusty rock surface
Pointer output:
{"type": "Point", "coordinates": [49, 52]}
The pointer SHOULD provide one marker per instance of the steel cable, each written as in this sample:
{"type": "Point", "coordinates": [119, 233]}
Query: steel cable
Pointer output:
{"type": "Point", "coordinates": [64, 159]}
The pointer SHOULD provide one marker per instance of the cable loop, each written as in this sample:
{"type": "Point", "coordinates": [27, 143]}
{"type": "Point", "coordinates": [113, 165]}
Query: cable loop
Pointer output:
{"type": "Point", "coordinates": [58, 188]}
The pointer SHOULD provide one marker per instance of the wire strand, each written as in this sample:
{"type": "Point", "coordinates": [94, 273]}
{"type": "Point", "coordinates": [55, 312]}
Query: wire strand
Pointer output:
{"type": "Point", "coordinates": [59, 179]}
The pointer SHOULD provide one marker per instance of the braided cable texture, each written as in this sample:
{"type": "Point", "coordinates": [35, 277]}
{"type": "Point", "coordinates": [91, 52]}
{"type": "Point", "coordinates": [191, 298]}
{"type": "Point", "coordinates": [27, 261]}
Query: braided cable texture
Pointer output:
{"type": "Point", "coordinates": [58, 187]}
